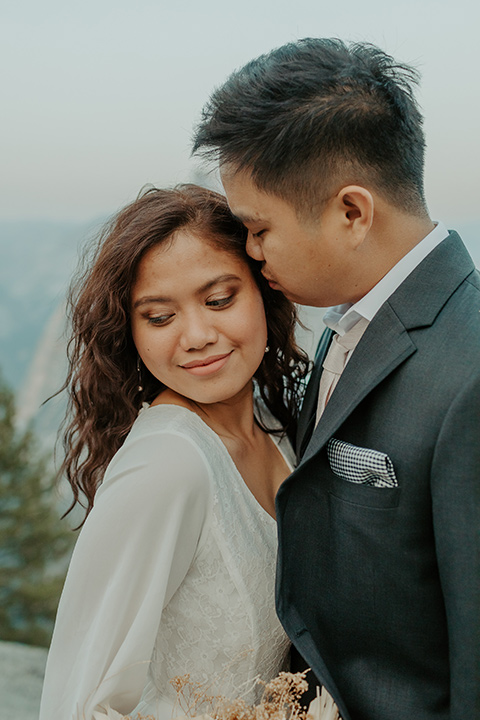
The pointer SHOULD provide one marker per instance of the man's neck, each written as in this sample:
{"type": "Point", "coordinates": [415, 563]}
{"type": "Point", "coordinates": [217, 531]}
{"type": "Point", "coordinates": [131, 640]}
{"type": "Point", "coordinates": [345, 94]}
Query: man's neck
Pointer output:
{"type": "Point", "coordinates": [343, 317]}
{"type": "Point", "coordinates": [392, 236]}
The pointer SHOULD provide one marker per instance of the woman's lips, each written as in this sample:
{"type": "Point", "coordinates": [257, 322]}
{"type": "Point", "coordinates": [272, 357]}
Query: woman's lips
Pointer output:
{"type": "Point", "coordinates": [208, 365]}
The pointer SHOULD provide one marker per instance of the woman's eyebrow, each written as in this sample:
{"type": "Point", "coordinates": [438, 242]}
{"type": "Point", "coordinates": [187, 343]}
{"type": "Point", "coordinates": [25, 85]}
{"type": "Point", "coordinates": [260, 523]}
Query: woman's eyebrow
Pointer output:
{"type": "Point", "coordinates": [216, 281]}
{"type": "Point", "coordinates": [157, 299]}
{"type": "Point", "coordinates": [150, 299]}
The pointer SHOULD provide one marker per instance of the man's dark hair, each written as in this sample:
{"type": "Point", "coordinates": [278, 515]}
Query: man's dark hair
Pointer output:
{"type": "Point", "coordinates": [313, 116]}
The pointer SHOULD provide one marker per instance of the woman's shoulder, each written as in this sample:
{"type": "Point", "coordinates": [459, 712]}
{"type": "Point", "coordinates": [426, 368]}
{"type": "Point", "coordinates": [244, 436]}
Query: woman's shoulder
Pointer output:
{"type": "Point", "coordinates": [170, 419]}
{"type": "Point", "coordinates": [162, 417]}
{"type": "Point", "coordinates": [167, 446]}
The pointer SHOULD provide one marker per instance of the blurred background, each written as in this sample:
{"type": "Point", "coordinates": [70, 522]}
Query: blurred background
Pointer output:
{"type": "Point", "coordinates": [98, 99]}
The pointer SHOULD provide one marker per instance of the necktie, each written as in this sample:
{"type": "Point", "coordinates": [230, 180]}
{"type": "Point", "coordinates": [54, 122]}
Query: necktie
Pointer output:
{"type": "Point", "coordinates": [335, 361]}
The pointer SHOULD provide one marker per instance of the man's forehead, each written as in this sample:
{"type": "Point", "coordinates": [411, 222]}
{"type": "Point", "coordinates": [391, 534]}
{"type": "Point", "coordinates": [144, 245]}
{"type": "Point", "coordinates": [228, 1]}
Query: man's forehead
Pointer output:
{"type": "Point", "coordinates": [231, 171]}
{"type": "Point", "coordinates": [238, 181]}
{"type": "Point", "coordinates": [247, 202]}
{"type": "Point", "coordinates": [246, 218]}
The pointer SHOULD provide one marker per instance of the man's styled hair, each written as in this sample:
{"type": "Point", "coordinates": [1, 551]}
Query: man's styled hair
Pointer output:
{"type": "Point", "coordinates": [315, 115]}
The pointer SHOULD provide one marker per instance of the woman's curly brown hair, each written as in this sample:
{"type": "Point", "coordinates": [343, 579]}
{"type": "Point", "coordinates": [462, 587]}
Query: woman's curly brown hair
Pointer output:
{"type": "Point", "coordinates": [102, 380]}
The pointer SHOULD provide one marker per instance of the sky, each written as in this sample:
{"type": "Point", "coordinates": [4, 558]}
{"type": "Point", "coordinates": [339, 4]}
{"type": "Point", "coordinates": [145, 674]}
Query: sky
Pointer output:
{"type": "Point", "coordinates": [100, 97]}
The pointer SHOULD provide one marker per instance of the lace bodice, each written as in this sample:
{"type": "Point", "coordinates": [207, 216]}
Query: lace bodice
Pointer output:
{"type": "Point", "coordinates": [222, 618]}
{"type": "Point", "coordinates": [205, 601]}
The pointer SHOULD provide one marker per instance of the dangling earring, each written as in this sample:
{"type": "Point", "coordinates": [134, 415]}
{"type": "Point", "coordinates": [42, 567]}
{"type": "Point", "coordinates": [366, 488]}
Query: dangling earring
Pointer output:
{"type": "Point", "coordinates": [139, 374]}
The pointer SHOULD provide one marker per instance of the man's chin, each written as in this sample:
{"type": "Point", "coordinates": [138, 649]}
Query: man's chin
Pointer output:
{"type": "Point", "coordinates": [290, 295]}
{"type": "Point", "coordinates": [282, 290]}
{"type": "Point", "coordinates": [307, 302]}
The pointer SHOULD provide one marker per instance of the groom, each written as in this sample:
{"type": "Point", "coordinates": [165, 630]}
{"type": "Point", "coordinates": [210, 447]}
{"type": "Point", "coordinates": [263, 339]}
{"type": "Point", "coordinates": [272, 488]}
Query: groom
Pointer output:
{"type": "Point", "coordinates": [321, 154]}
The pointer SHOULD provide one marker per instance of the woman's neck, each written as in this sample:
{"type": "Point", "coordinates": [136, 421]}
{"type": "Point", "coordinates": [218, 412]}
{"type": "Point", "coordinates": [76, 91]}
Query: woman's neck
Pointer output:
{"type": "Point", "coordinates": [231, 418]}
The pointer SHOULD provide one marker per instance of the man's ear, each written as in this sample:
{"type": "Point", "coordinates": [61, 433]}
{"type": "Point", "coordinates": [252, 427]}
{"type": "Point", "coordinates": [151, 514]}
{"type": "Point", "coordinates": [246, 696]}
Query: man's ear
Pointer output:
{"type": "Point", "coordinates": [358, 208]}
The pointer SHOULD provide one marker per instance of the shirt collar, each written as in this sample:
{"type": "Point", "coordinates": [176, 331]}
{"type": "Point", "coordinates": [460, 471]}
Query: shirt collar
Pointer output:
{"type": "Point", "coordinates": [342, 318]}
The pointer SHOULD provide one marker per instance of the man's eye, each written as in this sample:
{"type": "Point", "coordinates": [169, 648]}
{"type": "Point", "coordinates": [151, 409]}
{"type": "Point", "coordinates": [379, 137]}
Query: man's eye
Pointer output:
{"type": "Point", "coordinates": [258, 234]}
{"type": "Point", "coordinates": [220, 302]}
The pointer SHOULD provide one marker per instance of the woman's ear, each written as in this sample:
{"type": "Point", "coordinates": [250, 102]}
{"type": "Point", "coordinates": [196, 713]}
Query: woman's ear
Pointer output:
{"type": "Point", "coordinates": [358, 209]}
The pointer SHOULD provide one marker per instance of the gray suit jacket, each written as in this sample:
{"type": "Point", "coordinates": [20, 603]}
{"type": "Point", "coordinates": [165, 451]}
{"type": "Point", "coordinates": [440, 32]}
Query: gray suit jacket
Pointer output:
{"type": "Point", "coordinates": [379, 587]}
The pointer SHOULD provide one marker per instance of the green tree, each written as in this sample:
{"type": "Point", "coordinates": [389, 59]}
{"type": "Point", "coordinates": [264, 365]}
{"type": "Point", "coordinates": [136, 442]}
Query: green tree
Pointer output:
{"type": "Point", "coordinates": [34, 544]}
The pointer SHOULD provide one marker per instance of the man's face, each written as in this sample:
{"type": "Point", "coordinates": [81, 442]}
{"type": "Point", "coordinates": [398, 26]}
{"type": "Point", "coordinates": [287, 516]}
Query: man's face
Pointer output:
{"type": "Point", "coordinates": [306, 260]}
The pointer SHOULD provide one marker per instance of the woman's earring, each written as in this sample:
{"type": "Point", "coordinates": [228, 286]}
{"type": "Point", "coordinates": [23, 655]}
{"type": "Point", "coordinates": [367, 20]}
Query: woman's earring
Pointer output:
{"type": "Point", "coordinates": [139, 374]}
{"type": "Point", "coordinates": [267, 349]}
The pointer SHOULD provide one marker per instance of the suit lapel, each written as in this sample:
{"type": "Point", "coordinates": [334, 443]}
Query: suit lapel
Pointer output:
{"type": "Point", "coordinates": [386, 342]}
{"type": "Point", "coordinates": [382, 348]}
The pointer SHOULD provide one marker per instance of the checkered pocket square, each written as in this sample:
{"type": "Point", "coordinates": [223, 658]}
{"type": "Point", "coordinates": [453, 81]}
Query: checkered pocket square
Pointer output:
{"type": "Point", "coordinates": [361, 465]}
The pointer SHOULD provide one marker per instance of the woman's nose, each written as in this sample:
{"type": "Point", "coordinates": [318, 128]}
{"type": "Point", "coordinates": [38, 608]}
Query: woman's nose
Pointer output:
{"type": "Point", "coordinates": [198, 331]}
{"type": "Point", "coordinates": [254, 247]}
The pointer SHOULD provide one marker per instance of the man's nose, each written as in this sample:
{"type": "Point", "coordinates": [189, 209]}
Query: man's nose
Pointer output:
{"type": "Point", "coordinates": [254, 247]}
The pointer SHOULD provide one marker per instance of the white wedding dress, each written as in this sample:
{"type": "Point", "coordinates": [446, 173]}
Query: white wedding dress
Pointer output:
{"type": "Point", "coordinates": [173, 573]}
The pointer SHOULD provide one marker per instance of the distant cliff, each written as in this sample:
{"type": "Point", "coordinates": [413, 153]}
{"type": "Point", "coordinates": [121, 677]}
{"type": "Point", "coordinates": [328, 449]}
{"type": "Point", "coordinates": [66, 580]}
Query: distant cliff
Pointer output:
{"type": "Point", "coordinates": [37, 262]}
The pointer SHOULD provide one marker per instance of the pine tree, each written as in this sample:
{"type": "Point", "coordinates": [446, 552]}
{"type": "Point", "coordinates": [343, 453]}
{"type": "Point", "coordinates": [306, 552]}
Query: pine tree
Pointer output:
{"type": "Point", "coordinates": [33, 542]}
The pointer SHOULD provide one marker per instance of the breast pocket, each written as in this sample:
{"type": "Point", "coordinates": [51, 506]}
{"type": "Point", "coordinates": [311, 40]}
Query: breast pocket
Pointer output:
{"type": "Point", "coordinates": [369, 475]}
{"type": "Point", "coordinates": [361, 465]}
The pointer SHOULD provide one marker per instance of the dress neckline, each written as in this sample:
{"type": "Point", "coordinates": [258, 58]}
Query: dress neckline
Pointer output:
{"type": "Point", "coordinates": [219, 441]}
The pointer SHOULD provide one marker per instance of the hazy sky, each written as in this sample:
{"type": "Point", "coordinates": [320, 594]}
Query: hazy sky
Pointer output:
{"type": "Point", "coordinates": [99, 97]}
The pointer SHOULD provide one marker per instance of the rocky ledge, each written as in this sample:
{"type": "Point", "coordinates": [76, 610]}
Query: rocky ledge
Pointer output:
{"type": "Point", "coordinates": [21, 677]}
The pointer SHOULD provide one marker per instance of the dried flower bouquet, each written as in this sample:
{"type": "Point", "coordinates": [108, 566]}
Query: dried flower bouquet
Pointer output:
{"type": "Point", "coordinates": [280, 701]}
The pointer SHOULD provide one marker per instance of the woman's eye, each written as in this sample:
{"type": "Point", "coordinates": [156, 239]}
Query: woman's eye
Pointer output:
{"type": "Point", "coordinates": [219, 302]}
{"type": "Point", "coordinates": [160, 319]}
{"type": "Point", "coordinates": [258, 234]}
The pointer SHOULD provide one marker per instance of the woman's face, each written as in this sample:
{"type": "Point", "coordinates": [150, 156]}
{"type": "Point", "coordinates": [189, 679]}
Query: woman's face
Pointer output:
{"type": "Point", "coordinates": [198, 320]}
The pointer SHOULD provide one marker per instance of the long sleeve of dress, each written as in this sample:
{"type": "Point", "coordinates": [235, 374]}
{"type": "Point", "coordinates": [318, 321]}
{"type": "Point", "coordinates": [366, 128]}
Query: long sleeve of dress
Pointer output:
{"type": "Point", "coordinates": [132, 554]}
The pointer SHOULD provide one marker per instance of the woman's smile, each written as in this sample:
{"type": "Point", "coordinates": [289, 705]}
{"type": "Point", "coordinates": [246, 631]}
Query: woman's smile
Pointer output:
{"type": "Point", "coordinates": [208, 365]}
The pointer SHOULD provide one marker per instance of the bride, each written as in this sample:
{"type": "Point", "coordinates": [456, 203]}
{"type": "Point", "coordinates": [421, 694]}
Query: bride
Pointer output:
{"type": "Point", "coordinates": [173, 571]}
